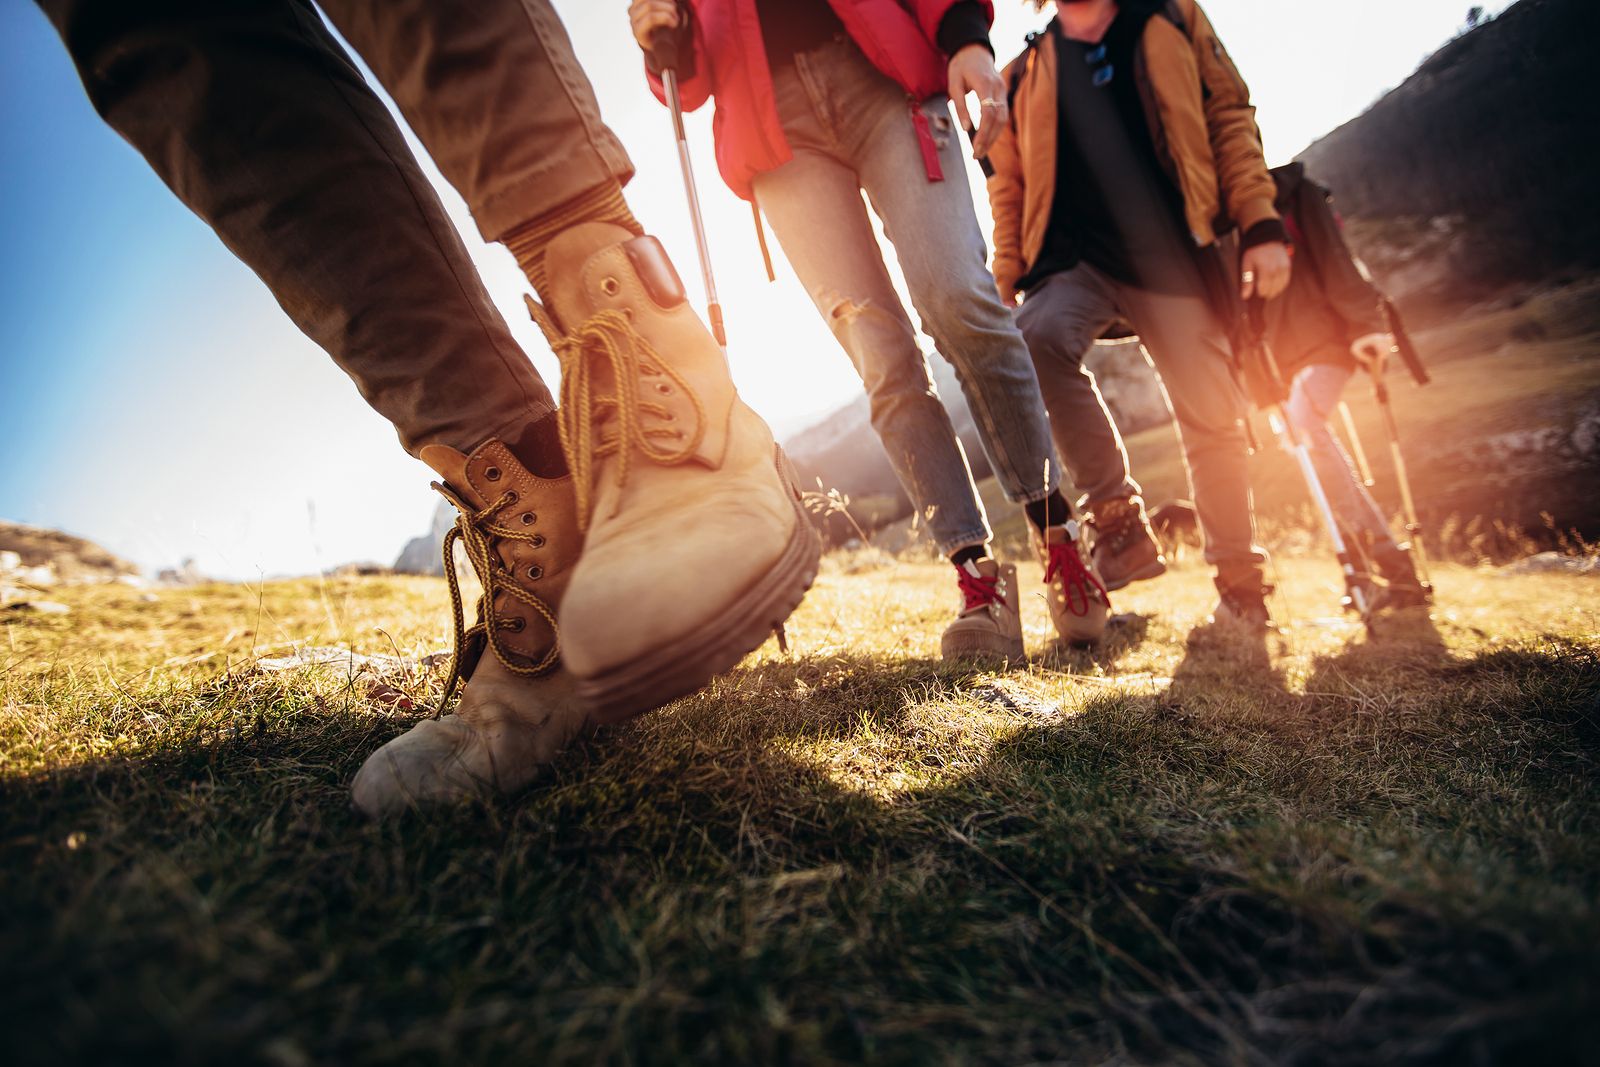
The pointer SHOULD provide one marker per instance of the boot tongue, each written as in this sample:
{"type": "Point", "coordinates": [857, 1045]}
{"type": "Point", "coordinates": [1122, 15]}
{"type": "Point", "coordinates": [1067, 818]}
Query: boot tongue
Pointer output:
{"type": "Point", "coordinates": [452, 467]}
{"type": "Point", "coordinates": [569, 300]}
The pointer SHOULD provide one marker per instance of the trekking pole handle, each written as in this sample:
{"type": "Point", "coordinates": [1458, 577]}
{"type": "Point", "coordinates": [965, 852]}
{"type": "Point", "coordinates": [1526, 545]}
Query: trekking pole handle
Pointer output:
{"type": "Point", "coordinates": [664, 49]}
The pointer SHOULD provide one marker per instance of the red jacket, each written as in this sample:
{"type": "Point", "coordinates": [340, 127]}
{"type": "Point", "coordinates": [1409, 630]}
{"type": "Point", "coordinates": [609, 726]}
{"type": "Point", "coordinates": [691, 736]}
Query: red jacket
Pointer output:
{"type": "Point", "coordinates": [730, 63]}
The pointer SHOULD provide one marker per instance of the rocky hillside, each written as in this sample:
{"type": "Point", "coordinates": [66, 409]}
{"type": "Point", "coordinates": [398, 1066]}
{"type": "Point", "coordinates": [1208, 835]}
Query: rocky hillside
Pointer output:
{"type": "Point", "coordinates": [1478, 174]}
{"type": "Point", "coordinates": [31, 555]}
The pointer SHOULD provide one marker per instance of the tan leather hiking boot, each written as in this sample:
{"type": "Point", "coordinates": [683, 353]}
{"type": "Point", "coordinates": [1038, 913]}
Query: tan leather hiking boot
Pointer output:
{"type": "Point", "coordinates": [517, 711]}
{"type": "Point", "coordinates": [1125, 547]}
{"type": "Point", "coordinates": [506, 729]}
{"type": "Point", "coordinates": [1079, 604]}
{"type": "Point", "coordinates": [697, 545]}
{"type": "Point", "coordinates": [990, 623]}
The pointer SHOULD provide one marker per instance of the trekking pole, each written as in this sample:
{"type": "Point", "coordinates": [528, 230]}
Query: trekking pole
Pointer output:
{"type": "Point", "coordinates": [1357, 453]}
{"type": "Point", "coordinates": [1408, 504]}
{"type": "Point", "coordinates": [1284, 428]}
{"type": "Point", "coordinates": [664, 51]}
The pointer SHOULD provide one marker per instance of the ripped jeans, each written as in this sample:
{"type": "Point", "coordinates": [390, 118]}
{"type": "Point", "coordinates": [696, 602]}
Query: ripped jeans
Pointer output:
{"type": "Point", "coordinates": [851, 132]}
{"type": "Point", "coordinates": [1312, 398]}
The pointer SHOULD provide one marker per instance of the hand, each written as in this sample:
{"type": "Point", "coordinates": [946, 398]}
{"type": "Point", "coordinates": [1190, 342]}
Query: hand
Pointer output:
{"type": "Point", "coordinates": [1372, 350]}
{"type": "Point", "coordinates": [1264, 271]}
{"type": "Point", "coordinates": [648, 16]}
{"type": "Point", "coordinates": [972, 71]}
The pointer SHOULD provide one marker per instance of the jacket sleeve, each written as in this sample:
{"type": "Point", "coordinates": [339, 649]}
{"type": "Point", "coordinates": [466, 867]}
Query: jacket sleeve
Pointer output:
{"type": "Point", "coordinates": [1248, 191]}
{"type": "Point", "coordinates": [930, 14]}
{"type": "Point", "coordinates": [1006, 191]}
{"type": "Point", "coordinates": [1345, 284]}
{"type": "Point", "coordinates": [694, 74]}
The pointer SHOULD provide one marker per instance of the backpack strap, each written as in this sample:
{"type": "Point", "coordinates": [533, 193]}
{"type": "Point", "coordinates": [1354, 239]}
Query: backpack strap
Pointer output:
{"type": "Point", "coordinates": [1174, 14]}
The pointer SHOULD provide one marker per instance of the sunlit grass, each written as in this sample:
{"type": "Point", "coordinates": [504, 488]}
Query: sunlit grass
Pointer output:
{"type": "Point", "coordinates": [1327, 849]}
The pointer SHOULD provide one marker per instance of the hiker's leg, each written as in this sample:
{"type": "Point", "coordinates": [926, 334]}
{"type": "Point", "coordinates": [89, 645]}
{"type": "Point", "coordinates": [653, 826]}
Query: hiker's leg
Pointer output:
{"type": "Point", "coordinates": [259, 122]}
{"type": "Point", "coordinates": [495, 93]}
{"type": "Point", "coordinates": [1189, 347]}
{"type": "Point", "coordinates": [1060, 320]}
{"type": "Point", "coordinates": [814, 205]}
{"type": "Point", "coordinates": [1313, 396]}
{"type": "Point", "coordinates": [942, 254]}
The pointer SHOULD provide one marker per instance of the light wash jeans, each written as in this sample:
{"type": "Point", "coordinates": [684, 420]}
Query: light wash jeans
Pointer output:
{"type": "Point", "coordinates": [1313, 395]}
{"type": "Point", "coordinates": [851, 131]}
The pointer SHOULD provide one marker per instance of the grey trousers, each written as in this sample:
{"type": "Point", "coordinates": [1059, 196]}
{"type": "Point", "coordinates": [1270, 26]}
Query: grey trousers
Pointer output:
{"type": "Point", "coordinates": [1062, 317]}
{"type": "Point", "coordinates": [255, 117]}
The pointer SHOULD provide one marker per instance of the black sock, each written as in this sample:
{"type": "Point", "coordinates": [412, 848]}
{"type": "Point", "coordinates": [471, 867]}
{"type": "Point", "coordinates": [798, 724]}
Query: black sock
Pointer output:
{"type": "Point", "coordinates": [538, 448]}
{"type": "Point", "coordinates": [971, 554]}
{"type": "Point", "coordinates": [1051, 511]}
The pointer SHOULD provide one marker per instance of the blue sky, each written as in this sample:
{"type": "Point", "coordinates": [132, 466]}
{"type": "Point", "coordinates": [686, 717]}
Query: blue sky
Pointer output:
{"type": "Point", "coordinates": [154, 398]}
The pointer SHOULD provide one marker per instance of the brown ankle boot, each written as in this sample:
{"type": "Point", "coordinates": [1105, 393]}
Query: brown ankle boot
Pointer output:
{"type": "Point", "coordinates": [990, 623]}
{"type": "Point", "coordinates": [517, 711]}
{"type": "Point", "coordinates": [1079, 604]}
{"type": "Point", "coordinates": [697, 545]}
{"type": "Point", "coordinates": [1125, 547]}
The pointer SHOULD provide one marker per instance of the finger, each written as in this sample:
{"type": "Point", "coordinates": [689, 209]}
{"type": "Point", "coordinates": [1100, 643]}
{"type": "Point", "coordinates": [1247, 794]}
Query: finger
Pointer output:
{"type": "Point", "coordinates": [958, 97]}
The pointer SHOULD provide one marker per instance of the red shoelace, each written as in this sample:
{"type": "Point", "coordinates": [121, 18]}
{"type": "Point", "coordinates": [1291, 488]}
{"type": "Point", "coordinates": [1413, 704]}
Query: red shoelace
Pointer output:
{"type": "Point", "coordinates": [978, 591]}
{"type": "Point", "coordinates": [1078, 583]}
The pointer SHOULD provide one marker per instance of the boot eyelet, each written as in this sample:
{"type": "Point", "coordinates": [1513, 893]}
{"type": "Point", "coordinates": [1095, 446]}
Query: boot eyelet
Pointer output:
{"type": "Point", "coordinates": [663, 388]}
{"type": "Point", "coordinates": [538, 541]}
{"type": "Point", "coordinates": [492, 473]}
{"type": "Point", "coordinates": [535, 572]}
{"type": "Point", "coordinates": [516, 624]}
{"type": "Point", "coordinates": [529, 518]}
{"type": "Point", "coordinates": [511, 496]}
{"type": "Point", "coordinates": [610, 286]}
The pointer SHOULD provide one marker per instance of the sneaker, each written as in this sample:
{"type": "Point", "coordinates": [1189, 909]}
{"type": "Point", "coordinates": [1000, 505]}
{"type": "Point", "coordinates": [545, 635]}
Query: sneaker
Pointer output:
{"type": "Point", "coordinates": [990, 623]}
{"type": "Point", "coordinates": [1125, 547]}
{"type": "Point", "coordinates": [1079, 603]}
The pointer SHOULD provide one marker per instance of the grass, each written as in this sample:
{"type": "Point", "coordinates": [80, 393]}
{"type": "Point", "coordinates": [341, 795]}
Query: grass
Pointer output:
{"type": "Point", "coordinates": [1326, 849]}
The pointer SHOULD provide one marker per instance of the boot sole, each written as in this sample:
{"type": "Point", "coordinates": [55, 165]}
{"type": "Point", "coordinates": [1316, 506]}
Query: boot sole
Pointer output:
{"type": "Point", "coordinates": [958, 648]}
{"type": "Point", "coordinates": [1150, 570]}
{"type": "Point", "coordinates": [685, 666]}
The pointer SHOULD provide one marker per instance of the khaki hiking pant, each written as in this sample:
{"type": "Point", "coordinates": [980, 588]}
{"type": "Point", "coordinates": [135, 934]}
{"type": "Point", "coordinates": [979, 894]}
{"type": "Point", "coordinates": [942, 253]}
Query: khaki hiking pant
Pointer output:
{"type": "Point", "coordinates": [259, 121]}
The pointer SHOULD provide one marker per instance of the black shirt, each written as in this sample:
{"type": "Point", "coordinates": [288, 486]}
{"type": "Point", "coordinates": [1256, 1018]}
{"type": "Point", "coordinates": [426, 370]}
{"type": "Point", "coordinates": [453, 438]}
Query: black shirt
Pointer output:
{"type": "Point", "coordinates": [1115, 207]}
{"type": "Point", "coordinates": [789, 27]}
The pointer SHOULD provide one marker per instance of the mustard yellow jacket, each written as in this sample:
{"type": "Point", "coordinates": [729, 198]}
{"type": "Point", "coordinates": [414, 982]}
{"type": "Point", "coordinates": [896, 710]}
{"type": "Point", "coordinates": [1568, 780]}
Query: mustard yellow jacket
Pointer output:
{"type": "Point", "coordinates": [1200, 117]}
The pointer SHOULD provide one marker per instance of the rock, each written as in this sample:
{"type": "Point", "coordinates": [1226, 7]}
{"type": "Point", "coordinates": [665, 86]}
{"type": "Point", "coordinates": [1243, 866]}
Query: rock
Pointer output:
{"type": "Point", "coordinates": [424, 555]}
{"type": "Point", "coordinates": [187, 573]}
{"type": "Point", "coordinates": [38, 607]}
{"type": "Point", "coordinates": [32, 555]}
{"type": "Point", "coordinates": [1554, 563]}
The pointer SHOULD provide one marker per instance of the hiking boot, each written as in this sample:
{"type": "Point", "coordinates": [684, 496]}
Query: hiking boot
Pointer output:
{"type": "Point", "coordinates": [1243, 609]}
{"type": "Point", "coordinates": [1403, 586]}
{"type": "Point", "coordinates": [506, 729]}
{"type": "Point", "coordinates": [520, 533]}
{"type": "Point", "coordinates": [697, 543]}
{"type": "Point", "coordinates": [990, 623]}
{"type": "Point", "coordinates": [1125, 547]}
{"type": "Point", "coordinates": [1079, 604]}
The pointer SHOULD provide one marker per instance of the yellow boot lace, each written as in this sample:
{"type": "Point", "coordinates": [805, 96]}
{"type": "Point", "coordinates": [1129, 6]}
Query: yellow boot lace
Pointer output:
{"type": "Point", "coordinates": [473, 529]}
{"type": "Point", "coordinates": [609, 341]}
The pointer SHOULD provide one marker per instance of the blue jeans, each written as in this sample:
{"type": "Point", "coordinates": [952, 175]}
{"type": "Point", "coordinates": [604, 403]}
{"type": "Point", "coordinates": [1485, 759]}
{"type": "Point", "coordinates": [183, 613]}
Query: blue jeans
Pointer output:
{"type": "Point", "coordinates": [850, 129]}
{"type": "Point", "coordinates": [1313, 395]}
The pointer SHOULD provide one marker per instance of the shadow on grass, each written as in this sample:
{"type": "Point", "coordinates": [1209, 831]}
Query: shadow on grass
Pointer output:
{"type": "Point", "coordinates": [1221, 872]}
